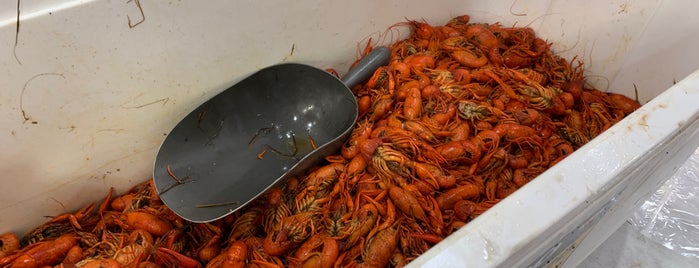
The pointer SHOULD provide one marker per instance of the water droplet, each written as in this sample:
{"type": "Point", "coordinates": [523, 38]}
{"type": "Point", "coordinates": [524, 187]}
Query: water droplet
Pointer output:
{"type": "Point", "coordinates": [487, 250]}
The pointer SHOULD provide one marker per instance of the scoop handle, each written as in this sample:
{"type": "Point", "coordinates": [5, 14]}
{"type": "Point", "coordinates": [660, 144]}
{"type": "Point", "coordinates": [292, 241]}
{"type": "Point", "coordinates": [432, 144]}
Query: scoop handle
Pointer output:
{"type": "Point", "coordinates": [366, 66]}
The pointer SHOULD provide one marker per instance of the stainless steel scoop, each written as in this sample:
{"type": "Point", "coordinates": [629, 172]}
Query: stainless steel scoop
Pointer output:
{"type": "Point", "coordinates": [255, 135]}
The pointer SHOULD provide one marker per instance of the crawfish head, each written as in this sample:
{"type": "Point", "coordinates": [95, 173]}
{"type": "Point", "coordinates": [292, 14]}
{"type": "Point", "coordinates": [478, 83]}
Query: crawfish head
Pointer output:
{"type": "Point", "coordinates": [299, 227]}
{"type": "Point", "coordinates": [404, 48]}
{"type": "Point", "coordinates": [272, 216]}
{"type": "Point", "coordinates": [390, 162]}
{"type": "Point", "coordinates": [469, 110]}
{"type": "Point", "coordinates": [533, 75]}
{"type": "Point", "coordinates": [572, 135]}
{"type": "Point", "coordinates": [455, 43]}
{"type": "Point", "coordinates": [340, 225]}
{"type": "Point", "coordinates": [540, 98]}
{"type": "Point", "coordinates": [440, 77]}
{"type": "Point", "coordinates": [46, 231]}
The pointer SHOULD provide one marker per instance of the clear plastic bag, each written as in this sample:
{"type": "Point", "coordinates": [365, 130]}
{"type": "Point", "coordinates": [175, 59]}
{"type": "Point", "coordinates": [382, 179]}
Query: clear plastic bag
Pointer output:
{"type": "Point", "coordinates": [671, 215]}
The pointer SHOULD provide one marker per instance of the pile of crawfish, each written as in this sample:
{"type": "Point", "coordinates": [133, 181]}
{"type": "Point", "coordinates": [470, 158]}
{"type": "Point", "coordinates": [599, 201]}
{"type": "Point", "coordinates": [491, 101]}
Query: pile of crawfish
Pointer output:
{"type": "Point", "coordinates": [464, 115]}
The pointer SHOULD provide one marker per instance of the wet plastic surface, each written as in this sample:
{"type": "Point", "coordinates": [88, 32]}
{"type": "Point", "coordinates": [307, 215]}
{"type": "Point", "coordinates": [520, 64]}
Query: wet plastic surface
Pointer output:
{"type": "Point", "coordinates": [670, 216]}
{"type": "Point", "coordinates": [627, 247]}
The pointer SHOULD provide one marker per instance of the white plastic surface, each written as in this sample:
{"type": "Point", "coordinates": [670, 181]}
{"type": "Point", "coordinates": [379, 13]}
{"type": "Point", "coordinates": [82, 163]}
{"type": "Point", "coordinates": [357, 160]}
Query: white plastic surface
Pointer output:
{"type": "Point", "coordinates": [627, 247]}
{"type": "Point", "coordinates": [669, 217]}
{"type": "Point", "coordinates": [86, 99]}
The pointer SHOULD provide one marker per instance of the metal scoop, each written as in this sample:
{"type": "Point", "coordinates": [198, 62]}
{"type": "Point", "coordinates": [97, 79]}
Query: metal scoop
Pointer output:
{"type": "Point", "coordinates": [269, 127]}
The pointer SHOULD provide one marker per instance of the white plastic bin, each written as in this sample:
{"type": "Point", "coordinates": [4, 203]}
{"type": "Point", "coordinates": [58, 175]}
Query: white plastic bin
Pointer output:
{"type": "Point", "coordinates": [87, 98]}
